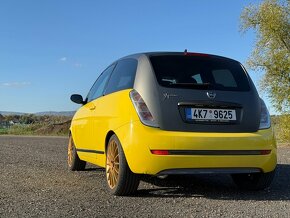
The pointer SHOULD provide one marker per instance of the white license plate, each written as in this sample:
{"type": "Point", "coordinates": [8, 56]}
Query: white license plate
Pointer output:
{"type": "Point", "coordinates": [208, 114]}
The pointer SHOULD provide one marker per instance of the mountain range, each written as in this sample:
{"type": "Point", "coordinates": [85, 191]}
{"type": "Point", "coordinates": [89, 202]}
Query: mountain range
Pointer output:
{"type": "Point", "coordinates": [55, 113]}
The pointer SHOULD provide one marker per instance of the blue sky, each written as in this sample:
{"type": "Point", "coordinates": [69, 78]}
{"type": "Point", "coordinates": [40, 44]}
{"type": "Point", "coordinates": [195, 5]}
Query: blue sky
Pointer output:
{"type": "Point", "coordinates": [51, 49]}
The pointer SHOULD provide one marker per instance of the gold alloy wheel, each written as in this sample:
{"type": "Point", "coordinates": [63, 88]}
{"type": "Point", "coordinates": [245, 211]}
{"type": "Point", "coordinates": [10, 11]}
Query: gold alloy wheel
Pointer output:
{"type": "Point", "coordinates": [113, 161]}
{"type": "Point", "coordinates": [70, 152]}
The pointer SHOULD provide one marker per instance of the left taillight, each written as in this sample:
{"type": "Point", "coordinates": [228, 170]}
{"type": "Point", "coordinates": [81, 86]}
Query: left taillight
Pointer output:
{"type": "Point", "coordinates": [265, 119]}
{"type": "Point", "coordinates": [142, 110]}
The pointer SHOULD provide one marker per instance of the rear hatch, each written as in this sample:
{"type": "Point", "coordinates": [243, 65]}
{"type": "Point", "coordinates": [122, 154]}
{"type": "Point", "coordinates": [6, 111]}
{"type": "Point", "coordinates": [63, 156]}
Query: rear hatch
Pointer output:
{"type": "Point", "coordinates": [204, 93]}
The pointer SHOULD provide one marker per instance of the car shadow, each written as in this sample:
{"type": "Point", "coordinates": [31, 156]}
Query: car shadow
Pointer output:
{"type": "Point", "coordinates": [216, 187]}
{"type": "Point", "coordinates": [96, 169]}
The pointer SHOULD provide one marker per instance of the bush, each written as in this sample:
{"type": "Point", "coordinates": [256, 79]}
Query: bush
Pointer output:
{"type": "Point", "coordinates": [30, 124]}
{"type": "Point", "coordinates": [281, 125]}
{"type": "Point", "coordinates": [23, 129]}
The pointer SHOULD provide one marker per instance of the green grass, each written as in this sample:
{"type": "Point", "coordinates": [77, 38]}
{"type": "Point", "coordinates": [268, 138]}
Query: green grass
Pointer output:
{"type": "Point", "coordinates": [35, 129]}
{"type": "Point", "coordinates": [3, 131]}
{"type": "Point", "coordinates": [21, 129]}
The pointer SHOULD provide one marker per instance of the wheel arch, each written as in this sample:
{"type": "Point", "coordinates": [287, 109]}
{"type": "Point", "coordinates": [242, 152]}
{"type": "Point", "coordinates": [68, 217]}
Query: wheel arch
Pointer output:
{"type": "Point", "coordinates": [108, 136]}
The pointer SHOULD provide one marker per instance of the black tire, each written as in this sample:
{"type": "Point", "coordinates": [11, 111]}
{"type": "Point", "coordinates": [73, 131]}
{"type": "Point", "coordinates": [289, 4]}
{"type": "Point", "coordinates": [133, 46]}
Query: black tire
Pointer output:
{"type": "Point", "coordinates": [121, 180]}
{"type": "Point", "coordinates": [73, 160]}
{"type": "Point", "coordinates": [254, 181]}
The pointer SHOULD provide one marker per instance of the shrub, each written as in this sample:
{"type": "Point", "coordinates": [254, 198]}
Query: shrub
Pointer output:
{"type": "Point", "coordinates": [281, 125]}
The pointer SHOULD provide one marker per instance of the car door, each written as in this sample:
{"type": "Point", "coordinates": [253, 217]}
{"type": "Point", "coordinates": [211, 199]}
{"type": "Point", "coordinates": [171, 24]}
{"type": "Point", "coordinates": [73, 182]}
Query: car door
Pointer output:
{"type": "Point", "coordinates": [87, 128]}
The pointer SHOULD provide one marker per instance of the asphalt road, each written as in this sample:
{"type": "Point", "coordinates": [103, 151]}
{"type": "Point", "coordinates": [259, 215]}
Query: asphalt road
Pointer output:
{"type": "Point", "coordinates": [35, 182]}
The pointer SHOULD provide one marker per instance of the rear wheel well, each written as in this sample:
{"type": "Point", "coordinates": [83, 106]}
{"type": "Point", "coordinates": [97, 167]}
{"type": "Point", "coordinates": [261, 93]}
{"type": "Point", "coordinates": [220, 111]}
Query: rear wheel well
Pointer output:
{"type": "Point", "coordinates": [109, 134]}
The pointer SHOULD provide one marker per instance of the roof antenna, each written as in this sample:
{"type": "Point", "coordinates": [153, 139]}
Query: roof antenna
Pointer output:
{"type": "Point", "coordinates": [185, 52]}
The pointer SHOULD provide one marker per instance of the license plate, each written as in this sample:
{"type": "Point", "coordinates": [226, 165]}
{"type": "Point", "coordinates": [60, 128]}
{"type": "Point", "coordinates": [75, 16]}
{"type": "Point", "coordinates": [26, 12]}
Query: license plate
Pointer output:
{"type": "Point", "coordinates": [208, 114]}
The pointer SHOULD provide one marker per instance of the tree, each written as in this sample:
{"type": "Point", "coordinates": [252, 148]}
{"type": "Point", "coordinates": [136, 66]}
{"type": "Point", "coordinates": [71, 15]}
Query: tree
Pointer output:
{"type": "Point", "coordinates": [271, 23]}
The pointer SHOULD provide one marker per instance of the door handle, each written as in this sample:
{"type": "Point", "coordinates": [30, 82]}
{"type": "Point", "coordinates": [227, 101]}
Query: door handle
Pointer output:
{"type": "Point", "coordinates": [92, 107]}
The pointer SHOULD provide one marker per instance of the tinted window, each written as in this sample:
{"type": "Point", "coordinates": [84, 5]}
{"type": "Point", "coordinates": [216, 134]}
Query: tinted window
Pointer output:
{"type": "Point", "coordinates": [224, 77]}
{"type": "Point", "coordinates": [199, 72]}
{"type": "Point", "coordinates": [123, 76]}
{"type": "Point", "coordinates": [99, 86]}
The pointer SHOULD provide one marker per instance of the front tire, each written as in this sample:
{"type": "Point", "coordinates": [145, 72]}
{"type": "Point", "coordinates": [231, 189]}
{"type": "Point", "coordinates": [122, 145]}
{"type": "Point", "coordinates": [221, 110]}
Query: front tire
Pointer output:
{"type": "Point", "coordinates": [120, 179]}
{"type": "Point", "coordinates": [73, 161]}
{"type": "Point", "coordinates": [254, 181]}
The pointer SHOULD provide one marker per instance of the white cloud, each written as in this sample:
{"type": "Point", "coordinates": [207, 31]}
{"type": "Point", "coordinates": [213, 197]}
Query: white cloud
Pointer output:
{"type": "Point", "coordinates": [71, 62]}
{"type": "Point", "coordinates": [15, 84]}
{"type": "Point", "coordinates": [63, 59]}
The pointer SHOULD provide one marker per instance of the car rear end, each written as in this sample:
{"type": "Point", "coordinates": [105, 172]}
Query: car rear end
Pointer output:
{"type": "Point", "coordinates": [196, 113]}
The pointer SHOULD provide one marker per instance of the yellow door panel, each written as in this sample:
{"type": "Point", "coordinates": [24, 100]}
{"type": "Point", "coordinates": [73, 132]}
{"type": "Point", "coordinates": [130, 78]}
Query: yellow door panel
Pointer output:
{"type": "Point", "coordinates": [94, 120]}
{"type": "Point", "coordinates": [82, 129]}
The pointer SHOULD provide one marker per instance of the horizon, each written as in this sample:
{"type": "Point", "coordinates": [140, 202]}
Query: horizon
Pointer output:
{"type": "Point", "coordinates": [39, 112]}
{"type": "Point", "coordinates": [50, 50]}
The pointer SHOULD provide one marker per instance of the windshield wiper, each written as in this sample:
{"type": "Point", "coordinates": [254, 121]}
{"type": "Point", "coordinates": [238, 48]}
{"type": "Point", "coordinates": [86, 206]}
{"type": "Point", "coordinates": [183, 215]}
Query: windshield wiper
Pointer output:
{"type": "Point", "coordinates": [191, 85]}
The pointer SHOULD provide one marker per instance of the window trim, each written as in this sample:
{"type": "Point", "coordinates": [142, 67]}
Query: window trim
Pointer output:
{"type": "Point", "coordinates": [105, 87]}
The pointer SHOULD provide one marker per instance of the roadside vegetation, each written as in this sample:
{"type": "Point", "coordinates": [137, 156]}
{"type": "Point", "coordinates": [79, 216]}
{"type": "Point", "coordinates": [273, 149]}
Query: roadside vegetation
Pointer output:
{"type": "Point", "coordinates": [281, 127]}
{"type": "Point", "coordinates": [30, 124]}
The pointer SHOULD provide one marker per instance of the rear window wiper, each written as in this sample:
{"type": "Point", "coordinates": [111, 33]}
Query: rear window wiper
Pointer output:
{"type": "Point", "coordinates": [191, 85]}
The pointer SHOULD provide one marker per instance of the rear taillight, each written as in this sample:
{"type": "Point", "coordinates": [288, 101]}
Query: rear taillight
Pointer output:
{"type": "Point", "coordinates": [160, 152]}
{"type": "Point", "coordinates": [142, 110]}
{"type": "Point", "coordinates": [265, 120]}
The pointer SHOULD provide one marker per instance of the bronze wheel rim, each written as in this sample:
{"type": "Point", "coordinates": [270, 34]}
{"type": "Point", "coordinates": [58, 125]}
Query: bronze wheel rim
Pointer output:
{"type": "Point", "coordinates": [112, 165]}
{"type": "Point", "coordinates": [70, 151]}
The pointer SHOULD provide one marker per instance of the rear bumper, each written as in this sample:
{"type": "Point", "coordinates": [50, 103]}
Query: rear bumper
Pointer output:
{"type": "Point", "coordinates": [192, 152]}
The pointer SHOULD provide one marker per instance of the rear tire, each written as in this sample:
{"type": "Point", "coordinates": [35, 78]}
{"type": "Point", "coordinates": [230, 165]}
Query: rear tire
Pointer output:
{"type": "Point", "coordinates": [120, 179]}
{"type": "Point", "coordinates": [254, 181]}
{"type": "Point", "coordinates": [73, 160]}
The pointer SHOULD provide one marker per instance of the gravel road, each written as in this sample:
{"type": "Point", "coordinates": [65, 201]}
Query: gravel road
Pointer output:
{"type": "Point", "coordinates": [35, 182]}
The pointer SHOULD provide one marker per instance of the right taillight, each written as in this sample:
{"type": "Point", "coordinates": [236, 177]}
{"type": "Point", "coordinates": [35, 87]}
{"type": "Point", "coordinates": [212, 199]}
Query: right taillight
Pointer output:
{"type": "Point", "coordinates": [265, 120]}
{"type": "Point", "coordinates": [142, 110]}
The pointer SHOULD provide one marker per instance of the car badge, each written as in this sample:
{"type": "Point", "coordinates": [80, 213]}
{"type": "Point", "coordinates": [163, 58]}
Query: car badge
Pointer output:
{"type": "Point", "coordinates": [167, 96]}
{"type": "Point", "coordinates": [211, 94]}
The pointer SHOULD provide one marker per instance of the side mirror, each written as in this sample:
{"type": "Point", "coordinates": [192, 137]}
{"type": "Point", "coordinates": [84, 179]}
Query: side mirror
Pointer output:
{"type": "Point", "coordinates": [77, 99]}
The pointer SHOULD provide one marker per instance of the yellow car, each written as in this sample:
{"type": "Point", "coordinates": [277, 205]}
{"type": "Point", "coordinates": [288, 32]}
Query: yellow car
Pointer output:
{"type": "Point", "coordinates": [167, 113]}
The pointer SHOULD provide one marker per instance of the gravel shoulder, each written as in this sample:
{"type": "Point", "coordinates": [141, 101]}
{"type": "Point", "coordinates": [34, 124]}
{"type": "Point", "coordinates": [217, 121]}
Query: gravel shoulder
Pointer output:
{"type": "Point", "coordinates": [35, 182]}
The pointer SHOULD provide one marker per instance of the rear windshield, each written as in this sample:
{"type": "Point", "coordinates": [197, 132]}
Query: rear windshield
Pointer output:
{"type": "Point", "coordinates": [198, 72]}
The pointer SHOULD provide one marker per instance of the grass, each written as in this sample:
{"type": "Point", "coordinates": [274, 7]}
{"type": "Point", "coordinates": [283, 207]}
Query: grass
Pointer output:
{"type": "Point", "coordinates": [38, 129]}
{"type": "Point", "coordinates": [3, 131]}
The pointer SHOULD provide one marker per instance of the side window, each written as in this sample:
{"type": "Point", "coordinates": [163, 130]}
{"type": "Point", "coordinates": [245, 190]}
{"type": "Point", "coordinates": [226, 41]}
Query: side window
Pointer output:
{"type": "Point", "coordinates": [123, 76]}
{"type": "Point", "coordinates": [99, 86]}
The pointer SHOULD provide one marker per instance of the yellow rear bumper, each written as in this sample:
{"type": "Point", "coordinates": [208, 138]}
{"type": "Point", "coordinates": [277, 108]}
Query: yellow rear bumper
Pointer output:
{"type": "Point", "coordinates": [138, 141]}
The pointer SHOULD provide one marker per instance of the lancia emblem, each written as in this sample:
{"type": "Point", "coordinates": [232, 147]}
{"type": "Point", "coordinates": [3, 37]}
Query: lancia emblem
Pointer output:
{"type": "Point", "coordinates": [167, 96]}
{"type": "Point", "coordinates": [211, 94]}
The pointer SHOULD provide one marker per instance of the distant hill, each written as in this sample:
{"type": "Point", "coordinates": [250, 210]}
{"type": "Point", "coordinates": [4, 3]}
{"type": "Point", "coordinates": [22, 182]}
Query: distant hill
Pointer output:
{"type": "Point", "coordinates": [55, 113]}
{"type": "Point", "coordinates": [4, 113]}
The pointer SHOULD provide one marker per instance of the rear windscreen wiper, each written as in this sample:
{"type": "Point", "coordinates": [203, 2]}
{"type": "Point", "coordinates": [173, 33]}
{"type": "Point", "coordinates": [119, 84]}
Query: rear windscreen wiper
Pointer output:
{"type": "Point", "coordinates": [191, 85]}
